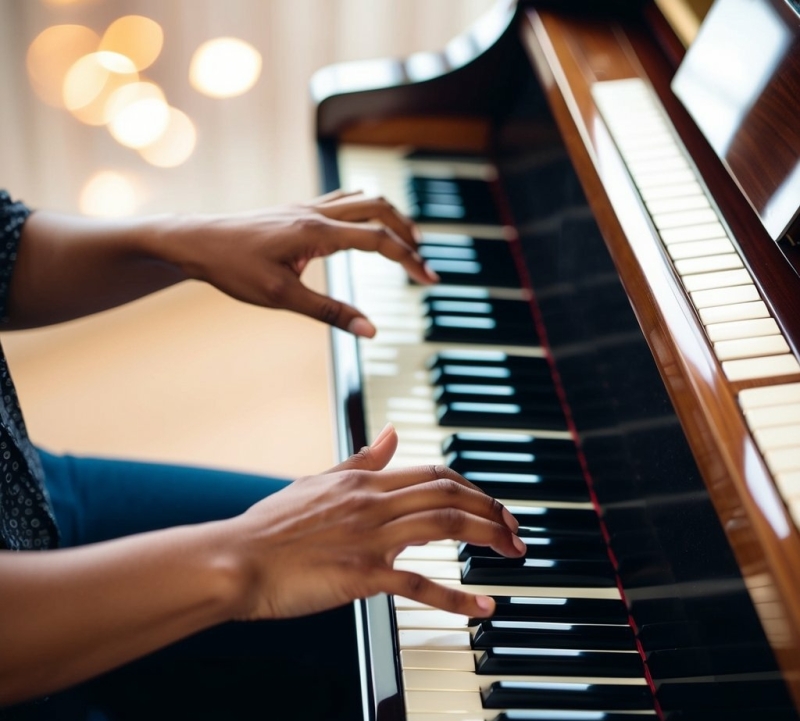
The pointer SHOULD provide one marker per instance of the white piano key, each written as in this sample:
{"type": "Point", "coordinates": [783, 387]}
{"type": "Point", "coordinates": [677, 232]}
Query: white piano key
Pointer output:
{"type": "Point", "coordinates": [689, 218]}
{"type": "Point", "coordinates": [679, 190]}
{"type": "Point", "coordinates": [742, 329]}
{"type": "Point", "coordinates": [439, 570]}
{"type": "Point", "coordinates": [453, 702]}
{"type": "Point", "coordinates": [707, 231]}
{"type": "Point", "coordinates": [720, 279]}
{"type": "Point", "coordinates": [537, 591]}
{"type": "Point", "coordinates": [438, 660]}
{"type": "Point", "coordinates": [768, 367]}
{"type": "Point", "coordinates": [700, 248]}
{"type": "Point", "coordinates": [455, 168]}
{"type": "Point", "coordinates": [785, 393]}
{"type": "Point", "coordinates": [772, 416]}
{"type": "Point", "coordinates": [447, 680]}
{"type": "Point", "coordinates": [770, 345]}
{"type": "Point", "coordinates": [488, 232]}
{"type": "Point", "coordinates": [782, 460]}
{"type": "Point", "coordinates": [430, 552]}
{"type": "Point", "coordinates": [789, 484]}
{"type": "Point", "coordinates": [724, 296]}
{"type": "Point", "coordinates": [656, 165]}
{"type": "Point", "coordinates": [674, 177]}
{"type": "Point", "coordinates": [707, 264]}
{"type": "Point", "coordinates": [734, 312]}
{"type": "Point", "coordinates": [777, 437]}
{"type": "Point", "coordinates": [678, 205]}
{"type": "Point", "coordinates": [434, 639]}
{"type": "Point", "coordinates": [432, 619]}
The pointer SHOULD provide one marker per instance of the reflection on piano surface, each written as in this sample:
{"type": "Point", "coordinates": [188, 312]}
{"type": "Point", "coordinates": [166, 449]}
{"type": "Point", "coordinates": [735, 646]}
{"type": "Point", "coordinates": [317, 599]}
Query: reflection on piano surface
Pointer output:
{"type": "Point", "coordinates": [612, 351]}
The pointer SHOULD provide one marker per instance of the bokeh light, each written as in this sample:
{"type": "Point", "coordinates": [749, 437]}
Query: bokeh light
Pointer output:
{"type": "Point", "coordinates": [52, 53]}
{"type": "Point", "coordinates": [135, 36]}
{"type": "Point", "coordinates": [137, 114]}
{"type": "Point", "coordinates": [175, 145]}
{"type": "Point", "coordinates": [224, 67]}
{"type": "Point", "coordinates": [110, 194]}
{"type": "Point", "coordinates": [92, 80]}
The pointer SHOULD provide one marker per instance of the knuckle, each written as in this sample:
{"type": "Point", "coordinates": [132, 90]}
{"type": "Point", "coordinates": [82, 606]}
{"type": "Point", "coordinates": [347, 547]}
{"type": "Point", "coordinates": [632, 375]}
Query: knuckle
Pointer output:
{"type": "Point", "coordinates": [329, 311]}
{"type": "Point", "coordinates": [447, 486]}
{"type": "Point", "coordinates": [415, 583]}
{"type": "Point", "coordinates": [451, 521]}
{"type": "Point", "coordinates": [495, 507]}
{"type": "Point", "coordinates": [275, 288]}
{"type": "Point", "coordinates": [310, 224]}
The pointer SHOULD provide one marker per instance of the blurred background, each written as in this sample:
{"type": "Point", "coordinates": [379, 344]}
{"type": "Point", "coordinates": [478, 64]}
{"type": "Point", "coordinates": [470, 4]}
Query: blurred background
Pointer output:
{"type": "Point", "coordinates": [119, 107]}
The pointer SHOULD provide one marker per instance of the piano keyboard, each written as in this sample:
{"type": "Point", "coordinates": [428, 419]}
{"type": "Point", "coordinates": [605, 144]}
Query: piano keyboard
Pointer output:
{"type": "Point", "coordinates": [457, 370]}
{"type": "Point", "coordinates": [745, 337]}
{"type": "Point", "coordinates": [743, 334]}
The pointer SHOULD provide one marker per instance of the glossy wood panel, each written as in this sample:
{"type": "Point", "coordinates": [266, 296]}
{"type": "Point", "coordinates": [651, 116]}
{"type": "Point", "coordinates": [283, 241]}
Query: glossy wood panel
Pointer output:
{"type": "Point", "coordinates": [569, 54]}
{"type": "Point", "coordinates": [740, 81]}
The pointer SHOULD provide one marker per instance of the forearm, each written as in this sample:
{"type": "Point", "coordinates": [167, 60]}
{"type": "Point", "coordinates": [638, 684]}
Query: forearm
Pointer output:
{"type": "Point", "coordinates": [68, 266]}
{"type": "Point", "coordinates": [71, 614]}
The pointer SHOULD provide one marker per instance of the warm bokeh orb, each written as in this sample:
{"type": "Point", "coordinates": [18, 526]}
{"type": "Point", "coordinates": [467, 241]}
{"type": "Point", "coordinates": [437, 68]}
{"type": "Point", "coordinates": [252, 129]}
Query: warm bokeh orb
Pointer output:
{"type": "Point", "coordinates": [176, 143]}
{"type": "Point", "coordinates": [110, 194]}
{"type": "Point", "coordinates": [92, 80]}
{"type": "Point", "coordinates": [51, 55]}
{"type": "Point", "coordinates": [135, 36]}
{"type": "Point", "coordinates": [137, 114]}
{"type": "Point", "coordinates": [224, 67]}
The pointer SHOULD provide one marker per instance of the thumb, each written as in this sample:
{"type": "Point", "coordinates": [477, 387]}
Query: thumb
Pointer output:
{"type": "Point", "coordinates": [373, 457]}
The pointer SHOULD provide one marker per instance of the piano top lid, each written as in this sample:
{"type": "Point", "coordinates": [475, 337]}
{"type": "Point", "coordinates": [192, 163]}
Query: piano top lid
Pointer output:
{"type": "Point", "coordinates": [740, 81]}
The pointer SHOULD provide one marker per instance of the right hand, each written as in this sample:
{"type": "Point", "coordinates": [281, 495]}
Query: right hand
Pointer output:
{"type": "Point", "coordinates": [327, 540]}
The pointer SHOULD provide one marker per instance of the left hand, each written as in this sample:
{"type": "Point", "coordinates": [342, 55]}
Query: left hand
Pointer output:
{"type": "Point", "coordinates": [258, 257]}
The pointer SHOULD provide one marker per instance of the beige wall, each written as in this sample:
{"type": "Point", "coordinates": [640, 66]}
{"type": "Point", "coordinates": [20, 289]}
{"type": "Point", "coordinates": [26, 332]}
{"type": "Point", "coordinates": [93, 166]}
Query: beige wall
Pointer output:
{"type": "Point", "coordinates": [189, 375]}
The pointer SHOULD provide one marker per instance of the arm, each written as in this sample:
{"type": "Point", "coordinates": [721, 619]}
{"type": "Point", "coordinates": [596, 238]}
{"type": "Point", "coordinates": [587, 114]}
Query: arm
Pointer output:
{"type": "Point", "coordinates": [67, 615]}
{"type": "Point", "coordinates": [68, 266]}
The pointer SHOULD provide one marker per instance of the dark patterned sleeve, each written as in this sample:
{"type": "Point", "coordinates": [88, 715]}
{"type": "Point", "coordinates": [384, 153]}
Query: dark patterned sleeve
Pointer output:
{"type": "Point", "coordinates": [12, 217]}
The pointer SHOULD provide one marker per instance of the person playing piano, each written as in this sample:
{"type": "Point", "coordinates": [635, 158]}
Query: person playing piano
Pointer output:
{"type": "Point", "coordinates": [105, 561]}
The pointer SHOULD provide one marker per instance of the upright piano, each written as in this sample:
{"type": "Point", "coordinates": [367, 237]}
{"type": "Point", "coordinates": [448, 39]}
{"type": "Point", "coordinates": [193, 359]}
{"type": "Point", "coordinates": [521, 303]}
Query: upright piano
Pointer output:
{"type": "Point", "coordinates": [609, 192]}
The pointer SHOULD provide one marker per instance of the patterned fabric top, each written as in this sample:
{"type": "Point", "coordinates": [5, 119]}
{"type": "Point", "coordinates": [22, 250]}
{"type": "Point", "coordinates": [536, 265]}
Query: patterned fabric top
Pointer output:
{"type": "Point", "coordinates": [26, 518]}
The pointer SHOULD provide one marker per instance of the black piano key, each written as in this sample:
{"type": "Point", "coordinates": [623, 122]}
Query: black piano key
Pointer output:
{"type": "Point", "coordinates": [488, 329]}
{"type": "Point", "coordinates": [535, 634]}
{"type": "Point", "coordinates": [559, 610]}
{"type": "Point", "coordinates": [556, 519]}
{"type": "Point", "coordinates": [498, 414]}
{"type": "Point", "coordinates": [503, 660]}
{"type": "Point", "coordinates": [538, 572]}
{"type": "Point", "coordinates": [542, 545]}
{"type": "Point", "coordinates": [578, 696]}
{"type": "Point", "coordinates": [528, 486]}
{"type": "Point", "coordinates": [569, 715]}
{"type": "Point", "coordinates": [462, 200]}
{"type": "Point", "coordinates": [539, 448]}
{"type": "Point", "coordinates": [514, 462]}
{"type": "Point", "coordinates": [490, 366]}
{"type": "Point", "coordinates": [462, 260]}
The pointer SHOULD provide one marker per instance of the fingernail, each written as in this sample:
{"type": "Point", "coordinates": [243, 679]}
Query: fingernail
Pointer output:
{"type": "Point", "coordinates": [387, 429]}
{"type": "Point", "coordinates": [432, 274]}
{"type": "Point", "coordinates": [519, 544]}
{"type": "Point", "coordinates": [511, 522]}
{"type": "Point", "coordinates": [485, 603]}
{"type": "Point", "coordinates": [361, 327]}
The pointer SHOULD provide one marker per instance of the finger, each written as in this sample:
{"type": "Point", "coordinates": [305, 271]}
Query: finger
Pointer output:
{"type": "Point", "coordinates": [448, 524]}
{"type": "Point", "coordinates": [413, 475]}
{"type": "Point", "coordinates": [299, 298]}
{"type": "Point", "coordinates": [363, 208]}
{"type": "Point", "coordinates": [373, 237]}
{"type": "Point", "coordinates": [419, 588]}
{"type": "Point", "coordinates": [373, 457]}
{"type": "Point", "coordinates": [444, 493]}
{"type": "Point", "coordinates": [333, 196]}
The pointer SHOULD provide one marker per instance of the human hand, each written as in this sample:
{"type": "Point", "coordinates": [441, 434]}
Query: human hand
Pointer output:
{"type": "Point", "coordinates": [326, 540]}
{"type": "Point", "coordinates": [258, 257]}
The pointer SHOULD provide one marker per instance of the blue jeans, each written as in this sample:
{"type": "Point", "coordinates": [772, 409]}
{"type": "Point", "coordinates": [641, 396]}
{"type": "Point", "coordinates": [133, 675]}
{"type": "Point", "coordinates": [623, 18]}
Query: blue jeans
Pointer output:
{"type": "Point", "coordinates": [305, 667]}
